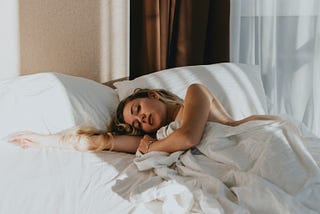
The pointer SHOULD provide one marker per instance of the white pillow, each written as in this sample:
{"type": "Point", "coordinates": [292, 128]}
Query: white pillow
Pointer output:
{"type": "Point", "coordinates": [238, 86]}
{"type": "Point", "coordinates": [52, 102]}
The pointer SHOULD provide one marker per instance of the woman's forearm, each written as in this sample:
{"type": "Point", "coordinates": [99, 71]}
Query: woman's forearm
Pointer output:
{"type": "Point", "coordinates": [177, 141]}
{"type": "Point", "coordinates": [79, 139]}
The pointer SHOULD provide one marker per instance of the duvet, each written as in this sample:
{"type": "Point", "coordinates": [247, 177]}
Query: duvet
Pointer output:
{"type": "Point", "coordinates": [257, 167]}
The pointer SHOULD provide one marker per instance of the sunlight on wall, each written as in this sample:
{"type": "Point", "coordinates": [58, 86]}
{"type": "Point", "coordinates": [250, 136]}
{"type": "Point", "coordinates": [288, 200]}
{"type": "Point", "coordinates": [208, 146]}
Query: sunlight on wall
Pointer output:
{"type": "Point", "coordinates": [9, 39]}
{"type": "Point", "coordinates": [114, 39]}
{"type": "Point", "coordinates": [76, 37]}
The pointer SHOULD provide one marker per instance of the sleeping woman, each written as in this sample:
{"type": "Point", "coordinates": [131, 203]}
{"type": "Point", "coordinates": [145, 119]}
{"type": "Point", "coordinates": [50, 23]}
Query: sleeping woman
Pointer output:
{"type": "Point", "coordinates": [137, 120]}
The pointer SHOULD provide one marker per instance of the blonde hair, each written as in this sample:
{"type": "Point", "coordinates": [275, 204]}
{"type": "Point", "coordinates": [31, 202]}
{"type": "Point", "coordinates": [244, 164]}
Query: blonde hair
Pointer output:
{"type": "Point", "coordinates": [80, 136]}
{"type": "Point", "coordinates": [80, 139]}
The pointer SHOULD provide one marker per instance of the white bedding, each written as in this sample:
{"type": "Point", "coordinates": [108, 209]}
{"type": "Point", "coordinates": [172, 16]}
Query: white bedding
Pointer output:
{"type": "Point", "coordinates": [258, 167]}
{"type": "Point", "coordinates": [55, 181]}
{"type": "Point", "coordinates": [51, 102]}
{"type": "Point", "coordinates": [243, 160]}
{"type": "Point", "coordinates": [265, 164]}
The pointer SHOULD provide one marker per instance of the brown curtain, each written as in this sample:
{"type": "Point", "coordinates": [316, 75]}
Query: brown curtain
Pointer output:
{"type": "Point", "coordinates": [171, 33]}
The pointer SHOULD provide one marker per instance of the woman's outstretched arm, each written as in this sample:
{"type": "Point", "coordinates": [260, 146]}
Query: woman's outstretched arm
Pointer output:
{"type": "Point", "coordinates": [77, 139]}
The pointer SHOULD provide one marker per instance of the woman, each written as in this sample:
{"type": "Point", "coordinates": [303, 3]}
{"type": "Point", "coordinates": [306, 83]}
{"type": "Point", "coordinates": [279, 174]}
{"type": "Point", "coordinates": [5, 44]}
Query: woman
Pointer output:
{"type": "Point", "coordinates": [138, 118]}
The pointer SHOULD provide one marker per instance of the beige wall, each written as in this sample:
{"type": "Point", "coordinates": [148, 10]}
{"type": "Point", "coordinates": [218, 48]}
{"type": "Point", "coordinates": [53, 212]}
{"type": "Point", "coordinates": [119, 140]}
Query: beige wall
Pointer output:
{"type": "Point", "coordinates": [87, 38]}
{"type": "Point", "coordinates": [9, 39]}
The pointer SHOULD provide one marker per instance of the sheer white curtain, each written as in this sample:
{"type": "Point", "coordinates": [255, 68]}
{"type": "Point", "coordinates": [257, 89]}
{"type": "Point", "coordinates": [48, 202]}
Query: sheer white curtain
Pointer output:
{"type": "Point", "coordinates": [283, 37]}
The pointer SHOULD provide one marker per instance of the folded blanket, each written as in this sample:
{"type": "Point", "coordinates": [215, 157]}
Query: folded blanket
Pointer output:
{"type": "Point", "coordinates": [257, 167]}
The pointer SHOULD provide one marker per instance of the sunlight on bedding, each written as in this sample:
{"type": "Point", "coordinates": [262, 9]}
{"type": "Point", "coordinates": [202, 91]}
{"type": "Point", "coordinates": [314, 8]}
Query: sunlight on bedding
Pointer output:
{"type": "Point", "coordinates": [233, 169]}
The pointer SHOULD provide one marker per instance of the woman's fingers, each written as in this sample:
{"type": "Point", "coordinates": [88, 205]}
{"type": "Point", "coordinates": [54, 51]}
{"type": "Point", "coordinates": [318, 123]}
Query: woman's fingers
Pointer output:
{"type": "Point", "coordinates": [20, 135]}
{"type": "Point", "coordinates": [145, 143]}
{"type": "Point", "coordinates": [25, 143]}
{"type": "Point", "coordinates": [142, 146]}
{"type": "Point", "coordinates": [25, 139]}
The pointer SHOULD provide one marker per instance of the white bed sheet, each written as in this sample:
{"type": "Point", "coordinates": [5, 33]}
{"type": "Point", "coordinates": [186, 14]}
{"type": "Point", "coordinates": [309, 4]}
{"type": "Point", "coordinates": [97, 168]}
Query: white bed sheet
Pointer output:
{"type": "Point", "coordinates": [258, 167]}
{"type": "Point", "coordinates": [56, 181]}
{"type": "Point", "coordinates": [263, 163]}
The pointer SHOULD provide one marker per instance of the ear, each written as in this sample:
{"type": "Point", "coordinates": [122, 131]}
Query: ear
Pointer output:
{"type": "Point", "coordinates": [153, 95]}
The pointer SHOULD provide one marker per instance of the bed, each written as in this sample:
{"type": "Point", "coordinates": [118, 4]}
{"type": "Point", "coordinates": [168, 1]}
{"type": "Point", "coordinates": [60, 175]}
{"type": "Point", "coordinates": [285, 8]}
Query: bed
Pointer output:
{"type": "Point", "coordinates": [258, 167]}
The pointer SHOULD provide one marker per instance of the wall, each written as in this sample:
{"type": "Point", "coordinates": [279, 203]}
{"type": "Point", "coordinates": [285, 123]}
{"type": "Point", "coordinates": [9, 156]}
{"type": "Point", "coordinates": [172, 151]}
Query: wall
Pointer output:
{"type": "Point", "coordinates": [9, 39]}
{"type": "Point", "coordinates": [85, 38]}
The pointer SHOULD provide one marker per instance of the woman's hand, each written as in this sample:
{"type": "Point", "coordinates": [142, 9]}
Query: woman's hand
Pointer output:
{"type": "Point", "coordinates": [28, 139]}
{"type": "Point", "coordinates": [145, 144]}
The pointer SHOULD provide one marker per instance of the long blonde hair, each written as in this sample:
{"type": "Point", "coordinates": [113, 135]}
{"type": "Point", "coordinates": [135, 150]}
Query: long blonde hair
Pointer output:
{"type": "Point", "coordinates": [117, 125]}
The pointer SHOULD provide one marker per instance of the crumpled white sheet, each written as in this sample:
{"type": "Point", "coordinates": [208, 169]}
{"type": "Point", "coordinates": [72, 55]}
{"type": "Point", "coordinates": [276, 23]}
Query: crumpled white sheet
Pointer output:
{"type": "Point", "coordinates": [257, 167]}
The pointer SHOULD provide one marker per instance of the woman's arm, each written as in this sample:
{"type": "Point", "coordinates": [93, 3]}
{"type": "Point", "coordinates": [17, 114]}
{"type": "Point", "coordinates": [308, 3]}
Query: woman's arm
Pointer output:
{"type": "Point", "coordinates": [200, 106]}
{"type": "Point", "coordinates": [196, 110]}
{"type": "Point", "coordinates": [76, 139]}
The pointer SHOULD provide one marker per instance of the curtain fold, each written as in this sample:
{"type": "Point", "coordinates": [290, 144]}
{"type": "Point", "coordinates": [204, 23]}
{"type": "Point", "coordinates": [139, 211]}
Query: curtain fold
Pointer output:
{"type": "Point", "coordinates": [171, 33]}
{"type": "Point", "coordinates": [283, 38]}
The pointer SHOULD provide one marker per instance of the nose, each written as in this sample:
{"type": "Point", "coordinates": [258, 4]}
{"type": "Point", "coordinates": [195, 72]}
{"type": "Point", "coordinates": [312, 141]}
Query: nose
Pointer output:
{"type": "Point", "coordinates": [142, 118]}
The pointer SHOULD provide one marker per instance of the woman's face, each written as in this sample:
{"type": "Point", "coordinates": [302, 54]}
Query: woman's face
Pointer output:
{"type": "Point", "coordinates": [146, 114]}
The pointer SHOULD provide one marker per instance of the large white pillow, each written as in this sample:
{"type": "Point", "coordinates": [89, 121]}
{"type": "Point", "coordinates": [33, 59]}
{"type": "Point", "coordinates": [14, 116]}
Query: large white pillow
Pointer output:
{"type": "Point", "coordinates": [52, 102]}
{"type": "Point", "coordinates": [238, 86]}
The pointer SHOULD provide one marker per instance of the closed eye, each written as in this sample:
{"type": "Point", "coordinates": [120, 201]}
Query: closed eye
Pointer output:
{"type": "Point", "coordinates": [135, 109]}
{"type": "Point", "coordinates": [138, 107]}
